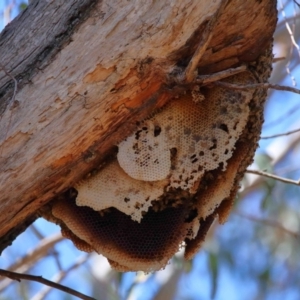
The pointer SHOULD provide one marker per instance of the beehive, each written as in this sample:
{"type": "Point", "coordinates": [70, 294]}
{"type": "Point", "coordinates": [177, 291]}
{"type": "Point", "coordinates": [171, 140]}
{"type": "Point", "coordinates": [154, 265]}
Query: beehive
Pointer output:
{"type": "Point", "coordinates": [170, 179]}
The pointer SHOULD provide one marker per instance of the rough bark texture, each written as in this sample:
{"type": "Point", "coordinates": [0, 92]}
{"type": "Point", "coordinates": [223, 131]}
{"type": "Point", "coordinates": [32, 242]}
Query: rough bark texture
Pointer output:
{"type": "Point", "coordinates": [88, 70]}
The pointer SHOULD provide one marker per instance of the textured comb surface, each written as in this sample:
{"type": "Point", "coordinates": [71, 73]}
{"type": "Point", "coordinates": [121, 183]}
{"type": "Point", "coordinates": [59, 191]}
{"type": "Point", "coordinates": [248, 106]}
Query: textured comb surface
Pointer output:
{"type": "Point", "coordinates": [203, 134]}
{"type": "Point", "coordinates": [112, 187]}
{"type": "Point", "coordinates": [200, 135]}
{"type": "Point", "coordinates": [145, 155]}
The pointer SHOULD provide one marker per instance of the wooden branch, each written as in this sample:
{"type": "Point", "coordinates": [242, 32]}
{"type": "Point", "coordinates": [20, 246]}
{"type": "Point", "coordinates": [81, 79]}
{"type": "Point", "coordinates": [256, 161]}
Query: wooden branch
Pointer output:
{"type": "Point", "coordinates": [280, 134]}
{"type": "Point", "coordinates": [282, 179]}
{"type": "Point", "coordinates": [290, 144]}
{"type": "Point", "coordinates": [258, 85]}
{"type": "Point", "coordinates": [25, 263]}
{"type": "Point", "coordinates": [206, 79]}
{"type": "Point", "coordinates": [204, 42]}
{"type": "Point", "coordinates": [52, 251]}
{"type": "Point", "coordinates": [19, 277]}
{"type": "Point", "coordinates": [60, 276]}
{"type": "Point", "coordinates": [277, 59]}
{"type": "Point", "coordinates": [37, 253]}
{"type": "Point", "coordinates": [87, 71]}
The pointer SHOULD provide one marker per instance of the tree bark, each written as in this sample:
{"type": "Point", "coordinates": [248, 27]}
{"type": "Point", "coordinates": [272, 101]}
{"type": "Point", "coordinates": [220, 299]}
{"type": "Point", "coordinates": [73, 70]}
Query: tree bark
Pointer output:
{"type": "Point", "coordinates": [88, 70]}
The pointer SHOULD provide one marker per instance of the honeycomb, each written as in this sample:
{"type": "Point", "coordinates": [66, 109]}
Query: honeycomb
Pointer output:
{"type": "Point", "coordinates": [169, 151]}
{"type": "Point", "coordinates": [169, 181]}
{"type": "Point", "coordinates": [117, 189]}
{"type": "Point", "coordinates": [145, 155]}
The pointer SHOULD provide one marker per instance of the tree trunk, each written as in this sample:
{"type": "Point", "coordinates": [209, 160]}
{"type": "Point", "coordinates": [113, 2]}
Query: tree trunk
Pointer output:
{"type": "Point", "coordinates": [88, 70]}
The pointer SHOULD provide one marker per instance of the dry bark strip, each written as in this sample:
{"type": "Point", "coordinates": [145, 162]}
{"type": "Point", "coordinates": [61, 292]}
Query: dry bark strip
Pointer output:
{"type": "Point", "coordinates": [87, 71]}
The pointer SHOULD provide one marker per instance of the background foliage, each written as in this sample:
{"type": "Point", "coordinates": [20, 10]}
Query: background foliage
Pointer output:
{"type": "Point", "coordinates": [255, 255]}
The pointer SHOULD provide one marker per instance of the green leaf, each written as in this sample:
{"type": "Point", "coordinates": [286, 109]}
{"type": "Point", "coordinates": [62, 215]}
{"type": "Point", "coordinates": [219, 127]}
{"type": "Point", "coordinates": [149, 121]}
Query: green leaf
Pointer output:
{"type": "Point", "coordinates": [213, 266]}
{"type": "Point", "coordinates": [22, 6]}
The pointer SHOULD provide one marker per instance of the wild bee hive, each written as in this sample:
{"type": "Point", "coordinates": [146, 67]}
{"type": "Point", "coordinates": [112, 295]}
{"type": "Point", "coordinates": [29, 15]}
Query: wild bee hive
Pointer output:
{"type": "Point", "coordinates": [170, 179]}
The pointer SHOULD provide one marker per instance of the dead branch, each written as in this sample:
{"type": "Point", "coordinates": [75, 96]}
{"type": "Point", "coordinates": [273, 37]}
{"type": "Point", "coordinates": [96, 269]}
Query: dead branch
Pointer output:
{"type": "Point", "coordinates": [280, 134]}
{"type": "Point", "coordinates": [287, 25]}
{"type": "Point", "coordinates": [296, 3]}
{"type": "Point", "coordinates": [38, 252]}
{"type": "Point", "coordinates": [277, 59]}
{"type": "Point", "coordinates": [206, 79]}
{"type": "Point", "coordinates": [206, 38]}
{"type": "Point", "coordinates": [279, 156]}
{"type": "Point", "coordinates": [60, 276]}
{"type": "Point", "coordinates": [282, 179]}
{"type": "Point", "coordinates": [19, 277]}
{"type": "Point", "coordinates": [26, 262]}
{"type": "Point", "coordinates": [52, 250]}
{"type": "Point", "coordinates": [257, 85]}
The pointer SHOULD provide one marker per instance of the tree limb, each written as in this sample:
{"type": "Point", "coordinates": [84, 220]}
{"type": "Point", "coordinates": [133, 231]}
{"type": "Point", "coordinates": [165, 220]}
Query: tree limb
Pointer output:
{"type": "Point", "coordinates": [257, 85]}
{"type": "Point", "coordinates": [87, 73]}
{"type": "Point", "coordinates": [282, 179]}
{"type": "Point", "coordinates": [280, 134]}
{"type": "Point", "coordinates": [40, 279]}
{"type": "Point", "coordinates": [60, 276]}
{"type": "Point", "coordinates": [203, 44]}
{"type": "Point", "coordinates": [26, 262]}
{"type": "Point", "coordinates": [206, 79]}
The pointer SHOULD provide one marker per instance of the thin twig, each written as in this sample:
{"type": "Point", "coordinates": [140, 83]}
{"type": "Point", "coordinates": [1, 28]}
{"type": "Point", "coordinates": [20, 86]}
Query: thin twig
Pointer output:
{"type": "Point", "coordinates": [52, 250]}
{"type": "Point", "coordinates": [206, 79]}
{"type": "Point", "coordinates": [36, 232]}
{"type": "Point", "coordinates": [268, 222]}
{"type": "Point", "coordinates": [277, 59]}
{"type": "Point", "coordinates": [282, 179]}
{"type": "Point", "coordinates": [257, 85]}
{"type": "Point", "coordinates": [291, 143]}
{"type": "Point", "coordinates": [26, 262]}
{"type": "Point", "coordinates": [292, 42]}
{"type": "Point", "coordinates": [40, 279]}
{"type": "Point", "coordinates": [205, 39]}
{"type": "Point", "coordinates": [290, 31]}
{"type": "Point", "coordinates": [280, 134]}
{"type": "Point", "coordinates": [38, 252]}
{"type": "Point", "coordinates": [60, 276]}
